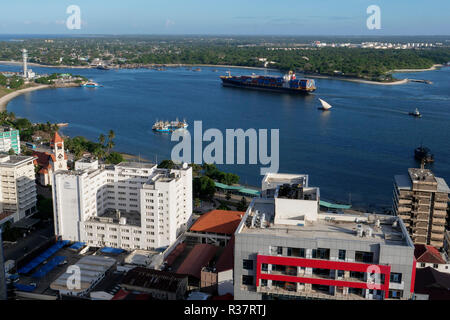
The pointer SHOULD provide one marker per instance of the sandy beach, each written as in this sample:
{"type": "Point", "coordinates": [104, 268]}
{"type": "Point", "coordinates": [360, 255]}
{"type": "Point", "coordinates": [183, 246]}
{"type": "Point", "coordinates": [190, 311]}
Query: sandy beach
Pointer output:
{"type": "Point", "coordinates": [7, 98]}
{"type": "Point", "coordinates": [393, 83]}
{"type": "Point", "coordinates": [434, 67]}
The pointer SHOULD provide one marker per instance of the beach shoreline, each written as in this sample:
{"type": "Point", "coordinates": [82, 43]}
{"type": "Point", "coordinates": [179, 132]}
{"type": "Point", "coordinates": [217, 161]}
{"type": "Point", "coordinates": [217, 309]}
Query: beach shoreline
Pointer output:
{"type": "Point", "coordinates": [10, 96]}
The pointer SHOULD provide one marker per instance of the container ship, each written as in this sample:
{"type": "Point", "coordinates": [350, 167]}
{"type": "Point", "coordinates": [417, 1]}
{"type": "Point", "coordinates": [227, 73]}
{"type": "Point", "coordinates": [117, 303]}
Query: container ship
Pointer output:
{"type": "Point", "coordinates": [166, 126]}
{"type": "Point", "coordinates": [287, 83]}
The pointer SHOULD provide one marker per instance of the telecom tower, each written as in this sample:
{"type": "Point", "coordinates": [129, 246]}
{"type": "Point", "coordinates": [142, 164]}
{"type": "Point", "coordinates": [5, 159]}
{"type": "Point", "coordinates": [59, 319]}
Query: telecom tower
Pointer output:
{"type": "Point", "coordinates": [25, 59]}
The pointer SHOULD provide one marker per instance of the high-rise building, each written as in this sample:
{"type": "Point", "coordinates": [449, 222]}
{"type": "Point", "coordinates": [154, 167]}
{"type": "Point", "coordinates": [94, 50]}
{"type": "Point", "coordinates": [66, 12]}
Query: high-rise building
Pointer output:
{"type": "Point", "coordinates": [130, 205]}
{"type": "Point", "coordinates": [286, 248]}
{"type": "Point", "coordinates": [9, 139]}
{"type": "Point", "coordinates": [421, 200]}
{"type": "Point", "coordinates": [17, 187]}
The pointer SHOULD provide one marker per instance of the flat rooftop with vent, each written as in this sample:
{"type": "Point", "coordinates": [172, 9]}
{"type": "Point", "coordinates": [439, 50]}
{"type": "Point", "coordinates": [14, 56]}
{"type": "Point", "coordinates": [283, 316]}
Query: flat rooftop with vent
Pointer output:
{"type": "Point", "coordinates": [291, 208]}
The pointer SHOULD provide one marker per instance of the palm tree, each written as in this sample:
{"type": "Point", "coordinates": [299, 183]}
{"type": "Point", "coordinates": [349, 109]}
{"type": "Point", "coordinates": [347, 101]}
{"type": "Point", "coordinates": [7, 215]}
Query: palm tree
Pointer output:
{"type": "Point", "coordinates": [102, 139]}
{"type": "Point", "coordinates": [111, 135]}
{"type": "Point", "coordinates": [110, 145]}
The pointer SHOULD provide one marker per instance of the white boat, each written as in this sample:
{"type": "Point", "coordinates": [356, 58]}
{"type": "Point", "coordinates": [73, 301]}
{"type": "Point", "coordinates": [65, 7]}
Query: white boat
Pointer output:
{"type": "Point", "coordinates": [325, 105]}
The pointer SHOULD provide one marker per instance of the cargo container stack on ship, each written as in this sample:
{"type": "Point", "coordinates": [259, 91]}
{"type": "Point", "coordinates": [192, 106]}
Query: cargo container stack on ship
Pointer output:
{"type": "Point", "coordinates": [287, 83]}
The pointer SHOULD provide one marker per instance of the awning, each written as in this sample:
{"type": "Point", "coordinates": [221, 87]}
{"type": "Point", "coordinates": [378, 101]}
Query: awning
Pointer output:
{"type": "Point", "coordinates": [330, 205]}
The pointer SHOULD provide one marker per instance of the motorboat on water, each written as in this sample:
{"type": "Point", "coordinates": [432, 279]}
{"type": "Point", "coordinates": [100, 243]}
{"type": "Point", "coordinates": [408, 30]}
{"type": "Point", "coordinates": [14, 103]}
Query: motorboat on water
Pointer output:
{"type": "Point", "coordinates": [416, 113]}
{"type": "Point", "coordinates": [91, 84]}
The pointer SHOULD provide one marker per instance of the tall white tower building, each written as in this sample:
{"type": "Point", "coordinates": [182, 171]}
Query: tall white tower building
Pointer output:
{"type": "Point", "coordinates": [128, 206]}
{"type": "Point", "coordinates": [25, 62]}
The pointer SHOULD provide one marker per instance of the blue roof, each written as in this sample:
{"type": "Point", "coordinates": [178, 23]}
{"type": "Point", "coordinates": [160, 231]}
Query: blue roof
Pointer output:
{"type": "Point", "coordinates": [49, 266]}
{"type": "Point", "coordinates": [24, 287]}
{"type": "Point", "coordinates": [43, 256]}
{"type": "Point", "coordinates": [111, 250]}
{"type": "Point", "coordinates": [77, 245]}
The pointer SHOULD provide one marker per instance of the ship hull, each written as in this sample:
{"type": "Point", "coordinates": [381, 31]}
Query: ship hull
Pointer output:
{"type": "Point", "coordinates": [237, 84]}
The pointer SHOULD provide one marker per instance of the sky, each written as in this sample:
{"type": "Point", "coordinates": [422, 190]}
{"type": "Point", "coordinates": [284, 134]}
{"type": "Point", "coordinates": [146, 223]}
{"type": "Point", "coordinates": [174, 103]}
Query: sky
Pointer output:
{"type": "Point", "coordinates": [237, 17]}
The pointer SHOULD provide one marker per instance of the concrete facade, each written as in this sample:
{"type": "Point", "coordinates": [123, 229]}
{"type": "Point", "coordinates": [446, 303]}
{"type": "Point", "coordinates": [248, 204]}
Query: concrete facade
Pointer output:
{"type": "Point", "coordinates": [18, 187]}
{"type": "Point", "coordinates": [421, 200]}
{"type": "Point", "coordinates": [128, 206]}
{"type": "Point", "coordinates": [329, 256]}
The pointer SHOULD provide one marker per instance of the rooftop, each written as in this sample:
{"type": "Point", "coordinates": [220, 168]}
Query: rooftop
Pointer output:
{"type": "Point", "coordinates": [199, 257]}
{"type": "Point", "coordinates": [427, 254]}
{"type": "Point", "coordinates": [153, 279]}
{"type": "Point", "coordinates": [218, 221]}
{"type": "Point", "coordinates": [134, 164]}
{"type": "Point", "coordinates": [91, 268]}
{"type": "Point", "coordinates": [260, 218]}
{"type": "Point", "coordinates": [11, 160]}
{"type": "Point", "coordinates": [116, 216]}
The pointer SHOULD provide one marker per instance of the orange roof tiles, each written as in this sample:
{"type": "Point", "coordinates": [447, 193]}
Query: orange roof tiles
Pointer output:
{"type": "Point", "coordinates": [226, 260]}
{"type": "Point", "coordinates": [57, 138]}
{"type": "Point", "coordinates": [198, 258]}
{"type": "Point", "coordinates": [218, 221]}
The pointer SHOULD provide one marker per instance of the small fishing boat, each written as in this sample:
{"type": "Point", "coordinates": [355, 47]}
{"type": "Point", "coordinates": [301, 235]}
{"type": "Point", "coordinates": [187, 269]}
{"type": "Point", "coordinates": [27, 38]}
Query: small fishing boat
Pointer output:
{"type": "Point", "coordinates": [166, 126]}
{"type": "Point", "coordinates": [325, 105]}
{"type": "Point", "coordinates": [416, 113]}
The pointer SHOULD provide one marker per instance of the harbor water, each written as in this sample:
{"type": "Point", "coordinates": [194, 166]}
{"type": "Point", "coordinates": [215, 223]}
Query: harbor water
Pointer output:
{"type": "Point", "coordinates": [351, 152]}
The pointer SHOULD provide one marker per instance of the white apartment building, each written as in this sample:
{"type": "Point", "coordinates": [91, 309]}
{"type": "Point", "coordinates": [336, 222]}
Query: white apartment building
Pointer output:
{"type": "Point", "coordinates": [130, 205]}
{"type": "Point", "coordinates": [18, 188]}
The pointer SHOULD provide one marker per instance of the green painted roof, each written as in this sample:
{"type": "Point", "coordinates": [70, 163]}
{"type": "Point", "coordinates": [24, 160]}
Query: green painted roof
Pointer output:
{"type": "Point", "coordinates": [237, 188]}
{"type": "Point", "coordinates": [334, 206]}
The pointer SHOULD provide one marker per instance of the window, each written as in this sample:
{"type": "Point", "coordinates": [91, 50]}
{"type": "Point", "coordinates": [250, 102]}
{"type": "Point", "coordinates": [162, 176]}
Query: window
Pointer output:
{"type": "Point", "coordinates": [341, 255]}
{"type": "Point", "coordinates": [263, 282]}
{"type": "Point", "coordinates": [396, 277]}
{"type": "Point", "coordinates": [297, 252]}
{"type": "Point", "coordinates": [264, 267]}
{"type": "Point", "coordinates": [247, 280]}
{"type": "Point", "coordinates": [248, 264]}
{"type": "Point", "coordinates": [321, 253]}
{"type": "Point", "coordinates": [340, 273]}
{"type": "Point", "coordinates": [422, 265]}
{"type": "Point", "coordinates": [366, 257]}
{"type": "Point", "coordinates": [435, 266]}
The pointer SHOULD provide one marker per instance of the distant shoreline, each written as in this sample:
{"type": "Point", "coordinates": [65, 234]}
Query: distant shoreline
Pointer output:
{"type": "Point", "coordinates": [318, 76]}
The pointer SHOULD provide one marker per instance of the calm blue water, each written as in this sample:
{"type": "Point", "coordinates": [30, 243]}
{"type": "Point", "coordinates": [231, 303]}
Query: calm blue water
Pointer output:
{"type": "Point", "coordinates": [354, 149]}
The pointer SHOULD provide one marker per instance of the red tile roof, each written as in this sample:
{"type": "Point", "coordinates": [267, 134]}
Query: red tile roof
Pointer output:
{"type": "Point", "coordinates": [198, 258]}
{"type": "Point", "coordinates": [57, 138]}
{"type": "Point", "coordinates": [218, 221]}
{"type": "Point", "coordinates": [43, 158]}
{"type": "Point", "coordinates": [226, 260]}
{"type": "Point", "coordinates": [427, 254]}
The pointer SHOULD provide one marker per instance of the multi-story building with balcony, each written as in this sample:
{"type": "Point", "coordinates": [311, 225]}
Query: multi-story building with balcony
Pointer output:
{"type": "Point", "coordinates": [421, 200]}
{"type": "Point", "coordinates": [18, 188]}
{"type": "Point", "coordinates": [128, 206]}
{"type": "Point", "coordinates": [285, 248]}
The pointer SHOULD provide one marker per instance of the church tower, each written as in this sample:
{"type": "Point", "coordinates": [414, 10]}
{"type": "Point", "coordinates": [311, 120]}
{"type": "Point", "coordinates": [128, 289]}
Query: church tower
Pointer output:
{"type": "Point", "coordinates": [59, 157]}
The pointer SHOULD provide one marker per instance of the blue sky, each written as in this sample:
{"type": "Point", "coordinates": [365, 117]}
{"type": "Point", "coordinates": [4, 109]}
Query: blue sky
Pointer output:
{"type": "Point", "coordinates": [253, 17]}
